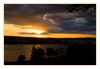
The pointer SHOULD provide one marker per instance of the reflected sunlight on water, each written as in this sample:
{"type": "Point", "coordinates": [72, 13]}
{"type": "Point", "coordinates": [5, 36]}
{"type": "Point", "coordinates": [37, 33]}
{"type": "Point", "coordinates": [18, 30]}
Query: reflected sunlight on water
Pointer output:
{"type": "Point", "coordinates": [13, 51]}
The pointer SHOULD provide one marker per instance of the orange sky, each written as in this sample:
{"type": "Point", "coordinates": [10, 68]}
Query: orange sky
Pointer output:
{"type": "Point", "coordinates": [11, 30]}
{"type": "Point", "coordinates": [52, 21]}
{"type": "Point", "coordinates": [60, 35]}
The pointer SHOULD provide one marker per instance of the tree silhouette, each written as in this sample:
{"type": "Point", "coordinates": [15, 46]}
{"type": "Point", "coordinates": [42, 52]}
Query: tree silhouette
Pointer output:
{"type": "Point", "coordinates": [40, 52]}
{"type": "Point", "coordinates": [37, 54]}
{"type": "Point", "coordinates": [33, 55]}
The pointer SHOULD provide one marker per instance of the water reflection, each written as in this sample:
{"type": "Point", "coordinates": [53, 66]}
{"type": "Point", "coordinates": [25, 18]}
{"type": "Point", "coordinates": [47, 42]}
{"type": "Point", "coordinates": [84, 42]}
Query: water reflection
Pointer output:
{"type": "Point", "coordinates": [16, 50]}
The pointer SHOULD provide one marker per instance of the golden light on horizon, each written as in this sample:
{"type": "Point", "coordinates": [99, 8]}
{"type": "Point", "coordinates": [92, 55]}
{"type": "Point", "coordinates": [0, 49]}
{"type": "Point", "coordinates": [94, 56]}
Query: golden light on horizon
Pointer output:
{"type": "Point", "coordinates": [39, 32]}
{"type": "Point", "coordinates": [36, 31]}
{"type": "Point", "coordinates": [59, 35]}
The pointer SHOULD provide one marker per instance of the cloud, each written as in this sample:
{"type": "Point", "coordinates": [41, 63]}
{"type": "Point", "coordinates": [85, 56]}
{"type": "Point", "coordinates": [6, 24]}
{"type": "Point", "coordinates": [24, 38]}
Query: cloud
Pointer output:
{"type": "Point", "coordinates": [55, 29]}
{"type": "Point", "coordinates": [80, 20]}
{"type": "Point", "coordinates": [63, 18]}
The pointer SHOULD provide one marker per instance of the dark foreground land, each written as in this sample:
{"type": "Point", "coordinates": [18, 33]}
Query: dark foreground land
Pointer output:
{"type": "Point", "coordinates": [81, 51]}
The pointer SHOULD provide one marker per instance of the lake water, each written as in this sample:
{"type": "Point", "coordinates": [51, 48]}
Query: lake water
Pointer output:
{"type": "Point", "coordinates": [11, 52]}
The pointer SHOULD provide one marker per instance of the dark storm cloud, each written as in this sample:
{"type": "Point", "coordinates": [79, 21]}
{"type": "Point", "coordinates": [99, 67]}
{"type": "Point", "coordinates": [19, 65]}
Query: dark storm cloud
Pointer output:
{"type": "Point", "coordinates": [69, 18]}
{"type": "Point", "coordinates": [77, 25]}
{"type": "Point", "coordinates": [13, 9]}
{"type": "Point", "coordinates": [75, 22]}
{"type": "Point", "coordinates": [32, 9]}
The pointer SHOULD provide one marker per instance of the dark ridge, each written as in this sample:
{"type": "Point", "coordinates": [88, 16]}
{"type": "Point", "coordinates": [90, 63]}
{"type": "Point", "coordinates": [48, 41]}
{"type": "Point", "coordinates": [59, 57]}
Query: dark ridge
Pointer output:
{"type": "Point", "coordinates": [31, 40]}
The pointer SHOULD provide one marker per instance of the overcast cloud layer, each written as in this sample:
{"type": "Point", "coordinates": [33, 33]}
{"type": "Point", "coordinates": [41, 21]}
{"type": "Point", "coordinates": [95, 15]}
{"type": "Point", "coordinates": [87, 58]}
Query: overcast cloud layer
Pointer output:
{"type": "Point", "coordinates": [59, 18]}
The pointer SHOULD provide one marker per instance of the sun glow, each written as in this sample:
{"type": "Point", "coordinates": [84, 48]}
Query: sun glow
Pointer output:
{"type": "Point", "coordinates": [39, 32]}
{"type": "Point", "coordinates": [36, 31]}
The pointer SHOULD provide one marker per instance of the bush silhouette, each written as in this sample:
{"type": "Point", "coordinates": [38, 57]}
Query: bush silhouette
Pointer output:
{"type": "Point", "coordinates": [49, 51]}
{"type": "Point", "coordinates": [21, 58]}
{"type": "Point", "coordinates": [52, 52]}
{"type": "Point", "coordinates": [61, 51]}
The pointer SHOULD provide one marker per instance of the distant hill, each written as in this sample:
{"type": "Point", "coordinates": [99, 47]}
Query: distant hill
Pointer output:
{"type": "Point", "coordinates": [32, 40]}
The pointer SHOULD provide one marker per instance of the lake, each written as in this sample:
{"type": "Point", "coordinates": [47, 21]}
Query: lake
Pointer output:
{"type": "Point", "coordinates": [12, 51]}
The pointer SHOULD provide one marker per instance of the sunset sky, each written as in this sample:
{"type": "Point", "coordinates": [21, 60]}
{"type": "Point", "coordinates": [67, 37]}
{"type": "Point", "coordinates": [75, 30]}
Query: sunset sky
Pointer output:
{"type": "Point", "coordinates": [50, 20]}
